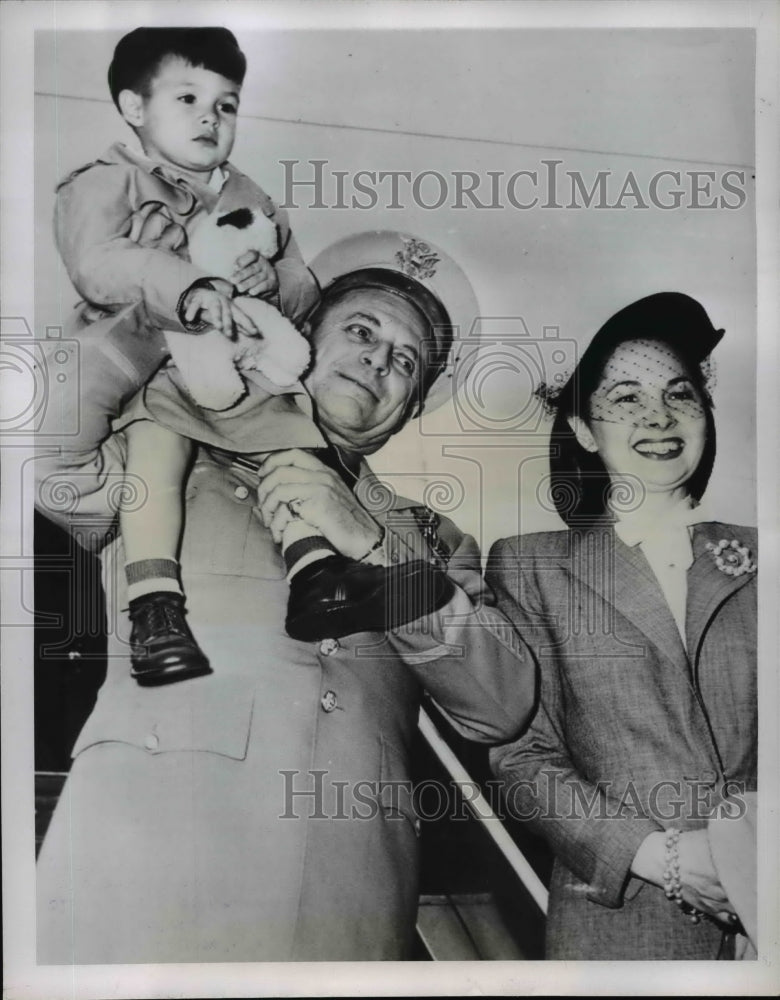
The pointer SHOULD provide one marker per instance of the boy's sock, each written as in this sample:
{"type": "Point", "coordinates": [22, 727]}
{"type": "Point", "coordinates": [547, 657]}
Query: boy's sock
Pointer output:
{"type": "Point", "coordinates": [303, 545]}
{"type": "Point", "coordinates": [150, 576]}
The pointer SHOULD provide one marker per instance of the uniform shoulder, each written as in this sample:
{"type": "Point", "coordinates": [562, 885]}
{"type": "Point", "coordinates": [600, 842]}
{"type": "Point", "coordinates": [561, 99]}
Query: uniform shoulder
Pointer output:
{"type": "Point", "coordinates": [118, 158]}
{"type": "Point", "coordinates": [455, 539]}
{"type": "Point", "coordinates": [439, 530]}
{"type": "Point", "coordinates": [534, 543]}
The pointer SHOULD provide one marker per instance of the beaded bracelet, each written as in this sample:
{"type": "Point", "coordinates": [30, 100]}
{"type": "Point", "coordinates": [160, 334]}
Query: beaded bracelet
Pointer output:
{"type": "Point", "coordinates": [671, 875]}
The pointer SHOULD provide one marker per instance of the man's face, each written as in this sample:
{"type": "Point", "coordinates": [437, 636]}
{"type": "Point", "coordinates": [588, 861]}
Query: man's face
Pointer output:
{"type": "Point", "coordinates": [188, 120]}
{"type": "Point", "coordinates": [367, 355]}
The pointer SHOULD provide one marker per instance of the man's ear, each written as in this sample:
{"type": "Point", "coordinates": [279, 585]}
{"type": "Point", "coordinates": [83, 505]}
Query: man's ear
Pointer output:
{"type": "Point", "coordinates": [131, 106]}
{"type": "Point", "coordinates": [582, 433]}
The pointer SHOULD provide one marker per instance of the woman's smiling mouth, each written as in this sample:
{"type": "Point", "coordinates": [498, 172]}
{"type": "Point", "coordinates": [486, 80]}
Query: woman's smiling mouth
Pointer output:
{"type": "Point", "coordinates": [661, 451]}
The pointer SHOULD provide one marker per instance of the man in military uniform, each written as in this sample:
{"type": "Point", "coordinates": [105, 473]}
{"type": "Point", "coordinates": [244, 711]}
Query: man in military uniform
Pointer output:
{"type": "Point", "coordinates": [263, 813]}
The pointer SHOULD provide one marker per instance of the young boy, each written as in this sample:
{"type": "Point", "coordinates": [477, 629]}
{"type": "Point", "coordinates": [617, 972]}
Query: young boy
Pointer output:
{"type": "Point", "coordinates": [178, 89]}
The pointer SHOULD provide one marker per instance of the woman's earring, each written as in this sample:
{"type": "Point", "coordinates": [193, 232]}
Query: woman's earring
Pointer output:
{"type": "Point", "coordinates": [582, 433]}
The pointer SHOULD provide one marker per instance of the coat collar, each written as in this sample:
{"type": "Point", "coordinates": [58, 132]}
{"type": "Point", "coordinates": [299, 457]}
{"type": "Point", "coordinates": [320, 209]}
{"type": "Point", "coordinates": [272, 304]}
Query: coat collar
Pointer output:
{"type": "Point", "coordinates": [622, 576]}
{"type": "Point", "coordinates": [708, 586]}
{"type": "Point", "coordinates": [182, 194]}
{"type": "Point", "coordinates": [238, 191]}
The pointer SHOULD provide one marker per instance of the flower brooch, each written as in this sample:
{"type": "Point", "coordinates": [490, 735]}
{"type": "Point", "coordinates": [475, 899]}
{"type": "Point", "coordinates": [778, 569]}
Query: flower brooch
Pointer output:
{"type": "Point", "coordinates": [731, 557]}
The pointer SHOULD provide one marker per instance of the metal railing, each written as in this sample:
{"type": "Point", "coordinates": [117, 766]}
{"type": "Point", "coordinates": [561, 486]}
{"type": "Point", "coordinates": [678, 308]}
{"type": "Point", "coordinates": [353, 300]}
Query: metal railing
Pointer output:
{"type": "Point", "coordinates": [483, 812]}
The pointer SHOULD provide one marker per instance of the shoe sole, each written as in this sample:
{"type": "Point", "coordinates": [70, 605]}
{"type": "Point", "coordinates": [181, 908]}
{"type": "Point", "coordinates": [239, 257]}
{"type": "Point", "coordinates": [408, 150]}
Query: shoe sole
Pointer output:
{"type": "Point", "coordinates": [415, 595]}
{"type": "Point", "coordinates": [170, 674]}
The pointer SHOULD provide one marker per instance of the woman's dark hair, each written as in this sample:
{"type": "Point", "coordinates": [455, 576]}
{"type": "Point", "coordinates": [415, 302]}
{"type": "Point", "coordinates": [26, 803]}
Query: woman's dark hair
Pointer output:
{"type": "Point", "coordinates": [138, 56]}
{"type": "Point", "coordinates": [579, 482]}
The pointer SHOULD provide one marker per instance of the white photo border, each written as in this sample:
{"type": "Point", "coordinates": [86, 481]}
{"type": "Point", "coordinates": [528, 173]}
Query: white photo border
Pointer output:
{"type": "Point", "coordinates": [24, 980]}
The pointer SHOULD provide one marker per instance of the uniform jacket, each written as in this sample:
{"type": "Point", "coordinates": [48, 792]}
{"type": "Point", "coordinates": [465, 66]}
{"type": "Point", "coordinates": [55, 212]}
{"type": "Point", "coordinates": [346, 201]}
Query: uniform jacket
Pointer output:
{"type": "Point", "coordinates": [330, 889]}
{"type": "Point", "coordinates": [633, 731]}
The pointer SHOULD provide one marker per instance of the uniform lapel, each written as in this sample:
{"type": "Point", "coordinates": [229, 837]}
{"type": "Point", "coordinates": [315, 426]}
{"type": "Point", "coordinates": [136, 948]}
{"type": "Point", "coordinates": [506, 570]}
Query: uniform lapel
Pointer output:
{"type": "Point", "coordinates": [708, 586]}
{"type": "Point", "coordinates": [622, 576]}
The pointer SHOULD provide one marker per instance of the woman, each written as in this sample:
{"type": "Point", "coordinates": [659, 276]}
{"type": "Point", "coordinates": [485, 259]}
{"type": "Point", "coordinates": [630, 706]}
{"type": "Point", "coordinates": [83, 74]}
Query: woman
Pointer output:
{"type": "Point", "coordinates": [643, 620]}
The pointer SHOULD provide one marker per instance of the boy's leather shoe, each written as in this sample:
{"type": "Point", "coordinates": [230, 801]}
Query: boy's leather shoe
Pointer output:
{"type": "Point", "coordinates": [335, 596]}
{"type": "Point", "coordinates": [163, 647]}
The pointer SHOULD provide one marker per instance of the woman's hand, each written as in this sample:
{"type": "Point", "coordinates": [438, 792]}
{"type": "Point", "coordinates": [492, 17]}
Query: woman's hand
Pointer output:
{"type": "Point", "coordinates": [698, 879]}
{"type": "Point", "coordinates": [319, 496]}
{"type": "Point", "coordinates": [700, 883]}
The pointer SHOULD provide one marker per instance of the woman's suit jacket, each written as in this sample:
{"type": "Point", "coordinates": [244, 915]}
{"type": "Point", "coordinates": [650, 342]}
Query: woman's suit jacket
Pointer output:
{"type": "Point", "coordinates": [264, 812]}
{"type": "Point", "coordinates": [633, 731]}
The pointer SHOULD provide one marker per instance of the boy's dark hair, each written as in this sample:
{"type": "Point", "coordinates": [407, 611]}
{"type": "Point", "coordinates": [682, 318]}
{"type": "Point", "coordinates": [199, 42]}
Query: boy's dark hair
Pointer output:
{"type": "Point", "coordinates": [138, 56]}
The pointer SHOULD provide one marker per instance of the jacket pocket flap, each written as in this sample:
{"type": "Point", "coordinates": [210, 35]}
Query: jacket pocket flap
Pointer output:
{"type": "Point", "coordinates": [209, 714]}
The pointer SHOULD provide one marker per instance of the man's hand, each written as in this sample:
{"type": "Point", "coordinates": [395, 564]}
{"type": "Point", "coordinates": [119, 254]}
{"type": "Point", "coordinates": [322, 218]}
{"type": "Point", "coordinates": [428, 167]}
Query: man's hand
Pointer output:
{"type": "Point", "coordinates": [322, 498]}
{"type": "Point", "coordinates": [152, 226]}
{"type": "Point", "coordinates": [254, 275]}
{"type": "Point", "coordinates": [216, 308]}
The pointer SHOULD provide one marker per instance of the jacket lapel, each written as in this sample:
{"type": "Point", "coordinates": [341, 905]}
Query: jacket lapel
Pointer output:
{"type": "Point", "coordinates": [155, 183]}
{"type": "Point", "coordinates": [708, 586]}
{"type": "Point", "coordinates": [622, 576]}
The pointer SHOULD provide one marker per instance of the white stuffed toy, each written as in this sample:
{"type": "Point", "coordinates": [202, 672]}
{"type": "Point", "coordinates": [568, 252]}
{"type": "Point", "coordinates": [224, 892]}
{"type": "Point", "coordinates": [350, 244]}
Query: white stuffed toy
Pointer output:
{"type": "Point", "coordinates": [209, 363]}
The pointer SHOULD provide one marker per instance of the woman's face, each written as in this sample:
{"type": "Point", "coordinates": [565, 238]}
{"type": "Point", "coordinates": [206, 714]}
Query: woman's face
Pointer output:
{"type": "Point", "coordinates": [646, 417]}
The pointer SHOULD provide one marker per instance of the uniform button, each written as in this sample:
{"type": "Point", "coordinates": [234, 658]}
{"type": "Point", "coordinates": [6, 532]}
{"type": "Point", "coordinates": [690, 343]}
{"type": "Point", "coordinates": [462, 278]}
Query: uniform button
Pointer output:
{"type": "Point", "coordinates": [74, 654]}
{"type": "Point", "coordinates": [328, 701]}
{"type": "Point", "coordinates": [151, 742]}
{"type": "Point", "coordinates": [241, 492]}
{"type": "Point", "coordinates": [328, 646]}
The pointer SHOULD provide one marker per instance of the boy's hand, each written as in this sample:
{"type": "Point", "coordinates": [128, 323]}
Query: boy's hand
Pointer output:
{"type": "Point", "coordinates": [214, 307]}
{"type": "Point", "coordinates": [255, 275]}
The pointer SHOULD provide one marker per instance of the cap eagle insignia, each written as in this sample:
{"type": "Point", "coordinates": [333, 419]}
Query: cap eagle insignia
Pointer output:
{"type": "Point", "coordinates": [417, 260]}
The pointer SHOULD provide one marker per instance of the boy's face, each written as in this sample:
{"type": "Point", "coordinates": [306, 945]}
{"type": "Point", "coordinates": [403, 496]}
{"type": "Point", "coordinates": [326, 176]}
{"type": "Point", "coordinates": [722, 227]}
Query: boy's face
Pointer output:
{"type": "Point", "coordinates": [189, 118]}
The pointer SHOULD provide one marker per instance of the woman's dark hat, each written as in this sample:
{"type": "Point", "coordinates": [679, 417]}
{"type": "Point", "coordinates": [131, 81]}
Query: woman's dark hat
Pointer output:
{"type": "Point", "coordinates": [672, 317]}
